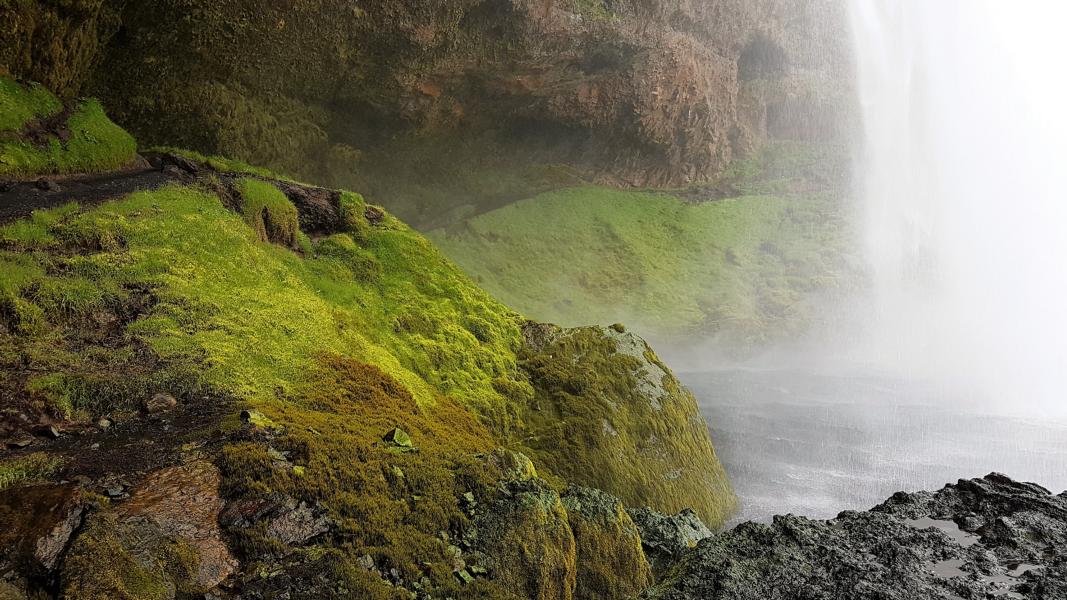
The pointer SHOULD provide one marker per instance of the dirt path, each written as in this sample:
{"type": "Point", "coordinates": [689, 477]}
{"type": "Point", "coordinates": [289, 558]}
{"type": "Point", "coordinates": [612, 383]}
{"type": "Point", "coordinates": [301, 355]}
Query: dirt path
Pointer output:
{"type": "Point", "coordinates": [20, 199]}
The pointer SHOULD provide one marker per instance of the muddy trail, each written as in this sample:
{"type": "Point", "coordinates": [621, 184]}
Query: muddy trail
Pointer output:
{"type": "Point", "coordinates": [18, 199]}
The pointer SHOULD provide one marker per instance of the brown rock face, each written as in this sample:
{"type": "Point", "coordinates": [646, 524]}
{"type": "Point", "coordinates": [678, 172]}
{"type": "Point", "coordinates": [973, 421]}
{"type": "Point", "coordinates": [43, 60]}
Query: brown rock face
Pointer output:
{"type": "Point", "coordinates": [163, 541]}
{"type": "Point", "coordinates": [184, 502]}
{"type": "Point", "coordinates": [36, 524]}
{"type": "Point", "coordinates": [491, 97]}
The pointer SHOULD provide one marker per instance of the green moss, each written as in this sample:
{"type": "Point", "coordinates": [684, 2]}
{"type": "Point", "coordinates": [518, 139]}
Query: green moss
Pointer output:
{"type": "Point", "coordinates": [22, 104]}
{"type": "Point", "coordinates": [608, 415]}
{"type": "Point", "coordinates": [340, 247]}
{"type": "Point", "coordinates": [94, 143]}
{"type": "Point", "coordinates": [28, 469]}
{"type": "Point", "coordinates": [746, 270]}
{"type": "Point", "coordinates": [255, 315]}
{"type": "Point", "coordinates": [353, 214]}
{"type": "Point", "coordinates": [334, 430]}
{"type": "Point", "coordinates": [268, 212]}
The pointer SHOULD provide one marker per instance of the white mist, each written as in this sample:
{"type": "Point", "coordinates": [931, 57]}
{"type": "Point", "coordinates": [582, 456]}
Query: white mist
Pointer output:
{"type": "Point", "coordinates": [964, 196]}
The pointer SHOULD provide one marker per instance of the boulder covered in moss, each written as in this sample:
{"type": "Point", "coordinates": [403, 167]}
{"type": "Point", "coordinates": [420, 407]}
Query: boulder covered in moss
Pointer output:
{"type": "Point", "coordinates": [523, 541]}
{"type": "Point", "coordinates": [608, 414]}
{"type": "Point", "coordinates": [611, 563]}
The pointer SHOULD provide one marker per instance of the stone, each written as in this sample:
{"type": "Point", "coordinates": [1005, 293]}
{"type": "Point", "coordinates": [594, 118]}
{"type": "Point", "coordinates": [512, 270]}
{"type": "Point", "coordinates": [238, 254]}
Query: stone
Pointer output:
{"type": "Point", "coordinates": [173, 509]}
{"type": "Point", "coordinates": [20, 439]}
{"type": "Point", "coordinates": [160, 403]}
{"type": "Point", "coordinates": [257, 419]}
{"type": "Point", "coordinates": [399, 438]}
{"type": "Point", "coordinates": [525, 543]}
{"type": "Point", "coordinates": [512, 466]}
{"type": "Point", "coordinates": [611, 562]}
{"type": "Point", "coordinates": [36, 524]}
{"type": "Point", "coordinates": [287, 521]}
{"type": "Point", "coordinates": [978, 538]}
{"type": "Point", "coordinates": [47, 185]}
{"type": "Point", "coordinates": [666, 538]}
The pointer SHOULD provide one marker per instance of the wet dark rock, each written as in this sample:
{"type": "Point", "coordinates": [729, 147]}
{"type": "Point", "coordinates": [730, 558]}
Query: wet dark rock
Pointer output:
{"type": "Point", "coordinates": [167, 530]}
{"type": "Point", "coordinates": [159, 403]}
{"type": "Point", "coordinates": [47, 185]}
{"type": "Point", "coordinates": [36, 524]}
{"type": "Point", "coordinates": [979, 538]}
{"type": "Point", "coordinates": [666, 538]}
{"type": "Point", "coordinates": [180, 162]}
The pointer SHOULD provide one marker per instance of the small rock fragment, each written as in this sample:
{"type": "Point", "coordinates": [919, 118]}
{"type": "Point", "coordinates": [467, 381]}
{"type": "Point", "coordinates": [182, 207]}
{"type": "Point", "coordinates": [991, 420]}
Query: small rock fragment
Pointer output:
{"type": "Point", "coordinates": [399, 438]}
{"type": "Point", "coordinates": [47, 185]}
{"type": "Point", "coordinates": [160, 403]}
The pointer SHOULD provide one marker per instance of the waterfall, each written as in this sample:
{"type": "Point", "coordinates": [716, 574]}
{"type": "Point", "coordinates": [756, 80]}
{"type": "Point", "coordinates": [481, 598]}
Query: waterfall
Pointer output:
{"type": "Point", "coordinates": [963, 181]}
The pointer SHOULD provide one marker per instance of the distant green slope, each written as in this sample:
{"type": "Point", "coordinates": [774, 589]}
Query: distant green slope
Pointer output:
{"type": "Point", "coordinates": [745, 267]}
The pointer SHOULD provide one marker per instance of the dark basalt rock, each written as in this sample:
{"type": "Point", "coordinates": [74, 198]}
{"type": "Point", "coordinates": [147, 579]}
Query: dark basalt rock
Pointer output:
{"type": "Point", "coordinates": [979, 538]}
{"type": "Point", "coordinates": [666, 538]}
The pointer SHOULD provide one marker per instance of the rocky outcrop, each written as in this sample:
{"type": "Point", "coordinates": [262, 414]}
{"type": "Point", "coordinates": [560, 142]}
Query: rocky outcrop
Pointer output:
{"type": "Point", "coordinates": [666, 538]}
{"type": "Point", "coordinates": [979, 538]}
{"type": "Point", "coordinates": [165, 539]}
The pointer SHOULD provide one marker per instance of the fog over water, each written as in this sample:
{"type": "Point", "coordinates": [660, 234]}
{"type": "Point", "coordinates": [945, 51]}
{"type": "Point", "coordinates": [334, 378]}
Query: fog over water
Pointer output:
{"type": "Point", "coordinates": [953, 363]}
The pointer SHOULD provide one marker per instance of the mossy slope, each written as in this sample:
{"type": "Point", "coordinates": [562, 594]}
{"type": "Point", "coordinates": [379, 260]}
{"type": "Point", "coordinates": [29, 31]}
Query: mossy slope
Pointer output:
{"type": "Point", "coordinates": [745, 267]}
{"type": "Point", "coordinates": [328, 353]}
{"type": "Point", "coordinates": [210, 291]}
{"type": "Point", "coordinates": [39, 135]}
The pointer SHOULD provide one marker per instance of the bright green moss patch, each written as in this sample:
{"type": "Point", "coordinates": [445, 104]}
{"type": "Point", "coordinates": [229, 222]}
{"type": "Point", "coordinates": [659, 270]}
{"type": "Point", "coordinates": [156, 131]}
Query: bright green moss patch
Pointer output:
{"type": "Point", "coordinates": [256, 315]}
{"type": "Point", "coordinates": [268, 212]}
{"type": "Point", "coordinates": [85, 142]}
{"type": "Point", "coordinates": [743, 267]}
{"type": "Point", "coordinates": [27, 469]}
{"type": "Point", "coordinates": [22, 104]}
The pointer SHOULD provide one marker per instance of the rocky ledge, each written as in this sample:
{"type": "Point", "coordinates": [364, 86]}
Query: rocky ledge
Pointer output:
{"type": "Point", "coordinates": [980, 538]}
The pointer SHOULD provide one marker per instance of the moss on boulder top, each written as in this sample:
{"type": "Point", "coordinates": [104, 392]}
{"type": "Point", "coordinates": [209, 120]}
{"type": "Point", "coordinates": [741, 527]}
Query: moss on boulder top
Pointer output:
{"type": "Point", "coordinates": [606, 413]}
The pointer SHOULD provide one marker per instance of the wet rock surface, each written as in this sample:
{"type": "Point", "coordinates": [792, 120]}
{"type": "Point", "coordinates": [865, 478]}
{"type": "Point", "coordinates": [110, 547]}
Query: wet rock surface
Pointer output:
{"type": "Point", "coordinates": [979, 538]}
